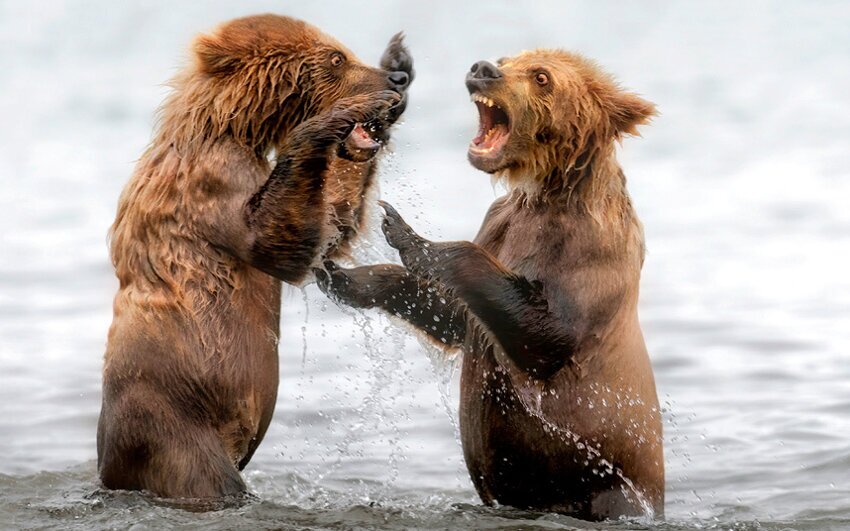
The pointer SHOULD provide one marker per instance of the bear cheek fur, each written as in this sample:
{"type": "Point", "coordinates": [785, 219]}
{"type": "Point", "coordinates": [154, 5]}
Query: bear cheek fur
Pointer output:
{"type": "Point", "coordinates": [328, 84]}
{"type": "Point", "coordinates": [562, 125]}
{"type": "Point", "coordinates": [533, 147]}
{"type": "Point", "coordinates": [255, 98]}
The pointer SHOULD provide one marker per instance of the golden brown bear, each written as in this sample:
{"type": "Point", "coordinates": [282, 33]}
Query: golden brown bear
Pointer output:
{"type": "Point", "coordinates": [206, 230]}
{"type": "Point", "coordinates": [558, 408]}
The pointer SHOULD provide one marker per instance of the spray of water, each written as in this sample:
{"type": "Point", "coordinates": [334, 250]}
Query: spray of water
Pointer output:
{"type": "Point", "coordinates": [375, 418]}
{"type": "Point", "coordinates": [531, 393]}
{"type": "Point", "coordinates": [306, 300]}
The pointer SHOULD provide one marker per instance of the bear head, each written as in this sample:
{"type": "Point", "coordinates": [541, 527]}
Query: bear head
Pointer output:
{"type": "Point", "coordinates": [256, 78]}
{"type": "Point", "coordinates": [546, 113]}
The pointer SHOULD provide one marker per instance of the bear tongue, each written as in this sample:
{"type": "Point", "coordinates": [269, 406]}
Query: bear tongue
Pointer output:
{"type": "Point", "coordinates": [359, 139]}
{"type": "Point", "coordinates": [492, 141]}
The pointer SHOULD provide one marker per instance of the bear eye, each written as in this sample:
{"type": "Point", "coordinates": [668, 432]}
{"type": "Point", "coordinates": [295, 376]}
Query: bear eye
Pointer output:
{"type": "Point", "coordinates": [337, 59]}
{"type": "Point", "coordinates": [542, 78]}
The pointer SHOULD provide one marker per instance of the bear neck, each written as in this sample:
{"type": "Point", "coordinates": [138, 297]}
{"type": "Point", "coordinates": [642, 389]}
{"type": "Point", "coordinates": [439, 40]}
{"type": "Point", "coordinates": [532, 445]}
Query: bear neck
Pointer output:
{"type": "Point", "coordinates": [592, 183]}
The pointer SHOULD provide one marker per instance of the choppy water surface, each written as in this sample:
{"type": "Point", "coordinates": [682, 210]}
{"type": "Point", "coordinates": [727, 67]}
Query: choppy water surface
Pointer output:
{"type": "Point", "coordinates": [742, 184]}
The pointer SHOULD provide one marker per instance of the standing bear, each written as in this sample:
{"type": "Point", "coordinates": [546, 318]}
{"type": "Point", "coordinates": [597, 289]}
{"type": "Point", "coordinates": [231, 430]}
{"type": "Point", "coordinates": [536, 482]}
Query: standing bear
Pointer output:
{"type": "Point", "coordinates": [558, 407]}
{"type": "Point", "coordinates": [206, 231]}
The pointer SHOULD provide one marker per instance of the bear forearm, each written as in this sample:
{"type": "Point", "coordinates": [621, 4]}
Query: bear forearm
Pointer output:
{"type": "Point", "coordinates": [512, 308]}
{"type": "Point", "coordinates": [517, 315]}
{"type": "Point", "coordinates": [286, 216]}
{"type": "Point", "coordinates": [285, 219]}
{"type": "Point", "coordinates": [396, 291]}
{"type": "Point", "coordinates": [425, 306]}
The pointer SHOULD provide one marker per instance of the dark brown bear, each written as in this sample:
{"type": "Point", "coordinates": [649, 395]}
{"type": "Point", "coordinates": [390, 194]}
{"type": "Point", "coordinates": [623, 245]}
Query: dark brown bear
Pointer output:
{"type": "Point", "coordinates": [558, 408]}
{"type": "Point", "coordinates": [206, 231]}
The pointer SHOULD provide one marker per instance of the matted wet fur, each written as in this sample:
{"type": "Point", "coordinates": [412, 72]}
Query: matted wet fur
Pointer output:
{"type": "Point", "coordinates": [558, 408]}
{"type": "Point", "coordinates": [206, 231]}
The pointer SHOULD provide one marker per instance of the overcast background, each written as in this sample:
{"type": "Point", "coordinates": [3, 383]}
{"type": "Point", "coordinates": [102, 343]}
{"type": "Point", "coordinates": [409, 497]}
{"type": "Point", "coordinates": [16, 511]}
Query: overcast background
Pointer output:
{"type": "Point", "coordinates": [741, 182]}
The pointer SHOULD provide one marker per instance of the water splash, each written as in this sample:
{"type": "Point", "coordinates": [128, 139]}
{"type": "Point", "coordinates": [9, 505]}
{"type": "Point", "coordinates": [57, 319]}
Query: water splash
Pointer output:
{"type": "Point", "coordinates": [531, 394]}
{"type": "Point", "coordinates": [444, 364]}
{"type": "Point", "coordinates": [372, 421]}
{"type": "Point", "coordinates": [306, 300]}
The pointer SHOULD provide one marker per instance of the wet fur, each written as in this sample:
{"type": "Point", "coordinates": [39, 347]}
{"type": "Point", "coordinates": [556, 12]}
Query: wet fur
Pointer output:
{"type": "Point", "coordinates": [206, 231]}
{"type": "Point", "coordinates": [558, 408]}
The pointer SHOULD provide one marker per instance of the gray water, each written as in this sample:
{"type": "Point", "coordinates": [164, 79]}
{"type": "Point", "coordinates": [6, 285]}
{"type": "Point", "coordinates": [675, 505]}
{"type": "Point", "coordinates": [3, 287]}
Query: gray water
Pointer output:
{"type": "Point", "coordinates": [742, 183]}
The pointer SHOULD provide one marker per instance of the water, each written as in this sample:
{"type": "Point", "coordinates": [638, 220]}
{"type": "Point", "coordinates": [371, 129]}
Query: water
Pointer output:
{"type": "Point", "coordinates": [742, 184]}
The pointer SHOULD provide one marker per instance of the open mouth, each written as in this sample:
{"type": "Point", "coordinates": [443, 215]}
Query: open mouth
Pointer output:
{"type": "Point", "coordinates": [361, 138]}
{"type": "Point", "coordinates": [366, 139]}
{"type": "Point", "coordinates": [361, 144]}
{"type": "Point", "coordinates": [493, 128]}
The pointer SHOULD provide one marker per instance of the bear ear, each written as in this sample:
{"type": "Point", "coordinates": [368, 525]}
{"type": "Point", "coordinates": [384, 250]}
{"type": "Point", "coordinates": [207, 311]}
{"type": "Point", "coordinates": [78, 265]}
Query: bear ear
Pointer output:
{"type": "Point", "coordinates": [213, 57]}
{"type": "Point", "coordinates": [627, 111]}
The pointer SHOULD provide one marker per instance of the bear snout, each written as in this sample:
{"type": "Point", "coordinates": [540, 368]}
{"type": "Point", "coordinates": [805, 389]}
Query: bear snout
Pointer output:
{"type": "Point", "coordinates": [485, 70]}
{"type": "Point", "coordinates": [482, 74]}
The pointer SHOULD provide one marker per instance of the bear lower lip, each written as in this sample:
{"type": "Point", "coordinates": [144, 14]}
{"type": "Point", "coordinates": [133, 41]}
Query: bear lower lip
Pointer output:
{"type": "Point", "coordinates": [491, 142]}
{"type": "Point", "coordinates": [359, 138]}
{"type": "Point", "coordinates": [359, 145]}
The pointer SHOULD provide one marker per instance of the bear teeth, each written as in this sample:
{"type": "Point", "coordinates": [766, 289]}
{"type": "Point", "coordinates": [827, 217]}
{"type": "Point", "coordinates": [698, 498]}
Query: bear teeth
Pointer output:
{"type": "Point", "coordinates": [483, 99]}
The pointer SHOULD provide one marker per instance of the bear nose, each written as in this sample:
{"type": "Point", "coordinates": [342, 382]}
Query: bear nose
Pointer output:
{"type": "Point", "coordinates": [399, 79]}
{"type": "Point", "coordinates": [485, 70]}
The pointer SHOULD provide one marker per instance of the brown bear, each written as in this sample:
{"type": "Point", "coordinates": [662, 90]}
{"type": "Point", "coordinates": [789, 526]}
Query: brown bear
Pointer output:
{"type": "Point", "coordinates": [558, 407]}
{"type": "Point", "coordinates": [206, 231]}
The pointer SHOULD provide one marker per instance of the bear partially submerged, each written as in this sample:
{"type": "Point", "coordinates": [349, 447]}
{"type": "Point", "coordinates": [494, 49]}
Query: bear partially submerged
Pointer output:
{"type": "Point", "coordinates": [206, 231]}
{"type": "Point", "coordinates": [558, 407]}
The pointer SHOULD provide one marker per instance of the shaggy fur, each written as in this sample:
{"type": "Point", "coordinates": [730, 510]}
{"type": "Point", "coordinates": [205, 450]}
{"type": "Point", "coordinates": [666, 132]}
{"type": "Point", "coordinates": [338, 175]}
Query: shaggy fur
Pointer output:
{"type": "Point", "coordinates": [558, 407]}
{"type": "Point", "coordinates": [205, 232]}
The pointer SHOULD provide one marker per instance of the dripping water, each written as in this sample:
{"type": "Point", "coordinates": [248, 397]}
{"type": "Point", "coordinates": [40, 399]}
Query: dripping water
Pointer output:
{"type": "Point", "coordinates": [306, 300]}
{"type": "Point", "coordinates": [531, 399]}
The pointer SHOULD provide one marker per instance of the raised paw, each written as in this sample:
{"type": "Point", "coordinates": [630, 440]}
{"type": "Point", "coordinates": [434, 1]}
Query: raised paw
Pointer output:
{"type": "Point", "coordinates": [354, 287]}
{"type": "Point", "coordinates": [335, 125]}
{"type": "Point", "coordinates": [397, 58]}
{"type": "Point", "coordinates": [364, 108]}
{"type": "Point", "coordinates": [412, 248]}
{"type": "Point", "coordinates": [334, 282]}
